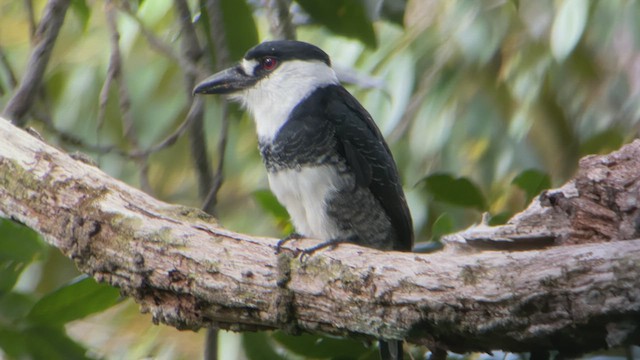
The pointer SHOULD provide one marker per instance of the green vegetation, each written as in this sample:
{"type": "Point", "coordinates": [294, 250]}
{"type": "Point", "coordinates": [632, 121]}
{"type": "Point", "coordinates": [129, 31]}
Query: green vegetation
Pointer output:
{"type": "Point", "coordinates": [484, 104]}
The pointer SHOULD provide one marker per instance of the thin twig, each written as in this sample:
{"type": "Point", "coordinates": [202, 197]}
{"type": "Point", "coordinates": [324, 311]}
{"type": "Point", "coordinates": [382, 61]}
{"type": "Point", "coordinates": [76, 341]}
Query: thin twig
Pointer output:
{"type": "Point", "coordinates": [192, 52]}
{"type": "Point", "coordinates": [220, 52]}
{"type": "Point", "coordinates": [280, 24]}
{"type": "Point", "coordinates": [158, 44]}
{"type": "Point", "coordinates": [210, 185]}
{"type": "Point", "coordinates": [190, 45]}
{"type": "Point", "coordinates": [211, 200]}
{"type": "Point", "coordinates": [104, 97]}
{"type": "Point", "coordinates": [201, 160]}
{"type": "Point", "coordinates": [218, 34]}
{"type": "Point", "coordinates": [124, 99]}
{"type": "Point", "coordinates": [45, 37]}
{"type": "Point", "coordinates": [194, 111]}
{"type": "Point", "coordinates": [72, 139]}
{"type": "Point", "coordinates": [31, 17]}
{"type": "Point", "coordinates": [4, 61]}
{"type": "Point", "coordinates": [115, 72]}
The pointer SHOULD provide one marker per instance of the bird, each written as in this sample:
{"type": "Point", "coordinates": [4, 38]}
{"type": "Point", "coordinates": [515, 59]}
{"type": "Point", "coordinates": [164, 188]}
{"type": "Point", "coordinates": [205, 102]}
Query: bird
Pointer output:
{"type": "Point", "coordinates": [327, 162]}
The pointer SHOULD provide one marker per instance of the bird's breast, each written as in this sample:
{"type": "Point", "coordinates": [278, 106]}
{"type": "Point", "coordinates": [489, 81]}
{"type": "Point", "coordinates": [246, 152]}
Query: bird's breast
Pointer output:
{"type": "Point", "coordinates": [304, 192]}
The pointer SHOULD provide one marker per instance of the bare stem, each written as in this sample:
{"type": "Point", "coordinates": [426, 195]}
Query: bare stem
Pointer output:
{"type": "Point", "coordinates": [45, 37]}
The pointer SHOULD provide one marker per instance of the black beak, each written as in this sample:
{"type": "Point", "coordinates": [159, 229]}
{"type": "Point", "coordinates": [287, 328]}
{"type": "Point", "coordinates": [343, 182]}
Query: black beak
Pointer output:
{"type": "Point", "coordinates": [225, 82]}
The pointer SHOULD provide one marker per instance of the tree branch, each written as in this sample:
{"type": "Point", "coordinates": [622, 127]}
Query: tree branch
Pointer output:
{"type": "Point", "coordinates": [45, 37]}
{"type": "Point", "coordinates": [179, 265]}
{"type": "Point", "coordinates": [280, 24]}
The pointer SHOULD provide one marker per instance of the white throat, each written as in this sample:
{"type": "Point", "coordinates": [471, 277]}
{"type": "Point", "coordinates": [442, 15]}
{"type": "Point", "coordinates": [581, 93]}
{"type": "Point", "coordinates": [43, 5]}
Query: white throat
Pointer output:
{"type": "Point", "coordinates": [271, 100]}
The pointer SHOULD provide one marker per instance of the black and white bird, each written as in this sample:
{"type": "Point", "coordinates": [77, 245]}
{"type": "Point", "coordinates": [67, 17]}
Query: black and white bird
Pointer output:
{"type": "Point", "coordinates": [326, 159]}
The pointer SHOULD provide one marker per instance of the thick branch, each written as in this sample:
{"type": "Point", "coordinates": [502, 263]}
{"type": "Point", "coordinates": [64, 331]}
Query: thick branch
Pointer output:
{"type": "Point", "coordinates": [189, 272]}
{"type": "Point", "coordinates": [601, 203]}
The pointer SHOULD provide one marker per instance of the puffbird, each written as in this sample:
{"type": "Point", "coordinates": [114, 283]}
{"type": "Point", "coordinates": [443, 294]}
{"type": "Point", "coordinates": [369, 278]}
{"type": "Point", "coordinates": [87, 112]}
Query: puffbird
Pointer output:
{"type": "Point", "coordinates": [326, 159]}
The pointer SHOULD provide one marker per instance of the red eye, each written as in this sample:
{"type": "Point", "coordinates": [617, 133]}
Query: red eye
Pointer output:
{"type": "Point", "coordinates": [269, 63]}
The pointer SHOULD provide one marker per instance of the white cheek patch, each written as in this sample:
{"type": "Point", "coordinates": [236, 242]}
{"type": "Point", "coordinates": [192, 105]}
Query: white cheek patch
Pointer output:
{"type": "Point", "coordinates": [249, 66]}
{"type": "Point", "coordinates": [273, 97]}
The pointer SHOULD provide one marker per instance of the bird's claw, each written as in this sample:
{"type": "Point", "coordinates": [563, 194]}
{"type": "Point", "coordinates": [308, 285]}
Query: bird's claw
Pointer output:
{"type": "Point", "coordinates": [306, 253]}
{"type": "Point", "coordinates": [292, 236]}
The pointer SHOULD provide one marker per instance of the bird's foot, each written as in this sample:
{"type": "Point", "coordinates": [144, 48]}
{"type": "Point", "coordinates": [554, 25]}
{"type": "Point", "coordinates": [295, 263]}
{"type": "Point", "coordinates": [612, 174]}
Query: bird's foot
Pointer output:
{"type": "Point", "coordinates": [293, 236]}
{"type": "Point", "coordinates": [329, 243]}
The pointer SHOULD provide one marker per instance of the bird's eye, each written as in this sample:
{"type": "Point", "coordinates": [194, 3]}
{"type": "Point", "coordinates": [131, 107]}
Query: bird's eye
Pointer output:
{"type": "Point", "coordinates": [269, 63]}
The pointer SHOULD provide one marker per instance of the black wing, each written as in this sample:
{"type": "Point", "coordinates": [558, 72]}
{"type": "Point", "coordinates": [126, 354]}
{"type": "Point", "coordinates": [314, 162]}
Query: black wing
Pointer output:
{"type": "Point", "coordinates": [369, 157]}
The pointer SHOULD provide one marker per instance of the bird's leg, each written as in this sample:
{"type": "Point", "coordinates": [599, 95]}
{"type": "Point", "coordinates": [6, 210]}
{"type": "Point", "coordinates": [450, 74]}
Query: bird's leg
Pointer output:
{"type": "Point", "coordinates": [293, 236]}
{"type": "Point", "coordinates": [329, 243]}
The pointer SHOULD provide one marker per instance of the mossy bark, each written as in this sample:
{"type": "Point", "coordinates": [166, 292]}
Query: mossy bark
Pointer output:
{"type": "Point", "coordinates": [179, 265]}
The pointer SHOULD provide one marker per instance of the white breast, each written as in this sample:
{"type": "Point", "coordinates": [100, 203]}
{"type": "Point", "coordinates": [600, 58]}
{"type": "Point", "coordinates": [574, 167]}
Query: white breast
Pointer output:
{"type": "Point", "coordinates": [304, 192]}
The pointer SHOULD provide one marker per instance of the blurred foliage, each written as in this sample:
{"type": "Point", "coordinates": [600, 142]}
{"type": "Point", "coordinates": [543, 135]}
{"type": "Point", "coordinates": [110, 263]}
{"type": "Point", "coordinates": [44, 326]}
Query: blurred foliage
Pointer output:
{"type": "Point", "coordinates": [484, 104]}
{"type": "Point", "coordinates": [31, 324]}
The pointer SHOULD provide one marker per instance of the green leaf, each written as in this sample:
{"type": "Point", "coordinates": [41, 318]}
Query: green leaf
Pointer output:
{"type": "Point", "coordinates": [532, 181]}
{"type": "Point", "coordinates": [9, 273]}
{"type": "Point", "coordinates": [19, 246]}
{"type": "Point", "coordinates": [13, 342]}
{"type": "Point", "coordinates": [39, 343]}
{"type": "Point", "coordinates": [14, 306]}
{"type": "Point", "coordinates": [568, 26]}
{"type": "Point", "coordinates": [392, 10]}
{"type": "Point", "coordinates": [51, 343]}
{"type": "Point", "coordinates": [270, 204]}
{"type": "Point", "coordinates": [460, 191]}
{"type": "Point", "coordinates": [18, 242]}
{"type": "Point", "coordinates": [442, 226]}
{"type": "Point", "coordinates": [343, 17]}
{"type": "Point", "coordinates": [82, 11]}
{"type": "Point", "coordinates": [603, 142]}
{"type": "Point", "coordinates": [313, 346]}
{"type": "Point", "coordinates": [257, 346]}
{"type": "Point", "coordinates": [240, 28]}
{"type": "Point", "coordinates": [73, 301]}
{"type": "Point", "coordinates": [500, 218]}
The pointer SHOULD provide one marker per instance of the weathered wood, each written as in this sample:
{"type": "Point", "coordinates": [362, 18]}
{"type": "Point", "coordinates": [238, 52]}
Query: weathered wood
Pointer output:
{"type": "Point", "coordinates": [178, 264]}
{"type": "Point", "coordinates": [600, 204]}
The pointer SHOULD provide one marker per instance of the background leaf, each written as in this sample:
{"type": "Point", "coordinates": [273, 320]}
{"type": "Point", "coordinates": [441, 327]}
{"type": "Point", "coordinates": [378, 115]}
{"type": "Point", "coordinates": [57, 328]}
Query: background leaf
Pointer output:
{"type": "Point", "coordinates": [456, 191]}
{"type": "Point", "coordinates": [532, 181]}
{"type": "Point", "coordinates": [442, 226]}
{"type": "Point", "coordinates": [392, 10]}
{"type": "Point", "coordinates": [319, 347]}
{"type": "Point", "coordinates": [270, 204]}
{"type": "Point", "coordinates": [13, 342]}
{"type": "Point", "coordinates": [257, 346]}
{"type": "Point", "coordinates": [82, 12]}
{"type": "Point", "coordinates": [346, 18]}
{"type": "Point", "coordinates": [568, 27]}
{"type": "Point", "coordinates": [239, 26]}
{"type": "Point", "coordinates": [602, 142]}
{"type": "Point", "coordinates": [73, 301]}
{"type": "Point", "coordinates": [19, 246]}
{"type": "Point", "coordinates": [14, 306]}
{"type": "Point", "coordinates": [47, 343]}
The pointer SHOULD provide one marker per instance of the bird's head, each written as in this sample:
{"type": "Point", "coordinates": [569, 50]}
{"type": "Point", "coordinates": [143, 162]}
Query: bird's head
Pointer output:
{"type": "Point", "coordinates": [273, 77]}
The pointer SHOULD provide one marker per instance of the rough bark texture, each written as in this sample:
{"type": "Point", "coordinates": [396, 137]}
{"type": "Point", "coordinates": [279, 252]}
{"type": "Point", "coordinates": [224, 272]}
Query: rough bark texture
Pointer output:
{"type": "Point", "coordinates": [600, 204]}
{"type": "Point", "coordinates": [190, 273]}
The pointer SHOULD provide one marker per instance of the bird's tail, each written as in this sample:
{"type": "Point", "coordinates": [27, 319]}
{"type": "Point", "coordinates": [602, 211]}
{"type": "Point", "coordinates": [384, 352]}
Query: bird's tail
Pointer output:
{"type": "Point", "coordinates": [390, 350]}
